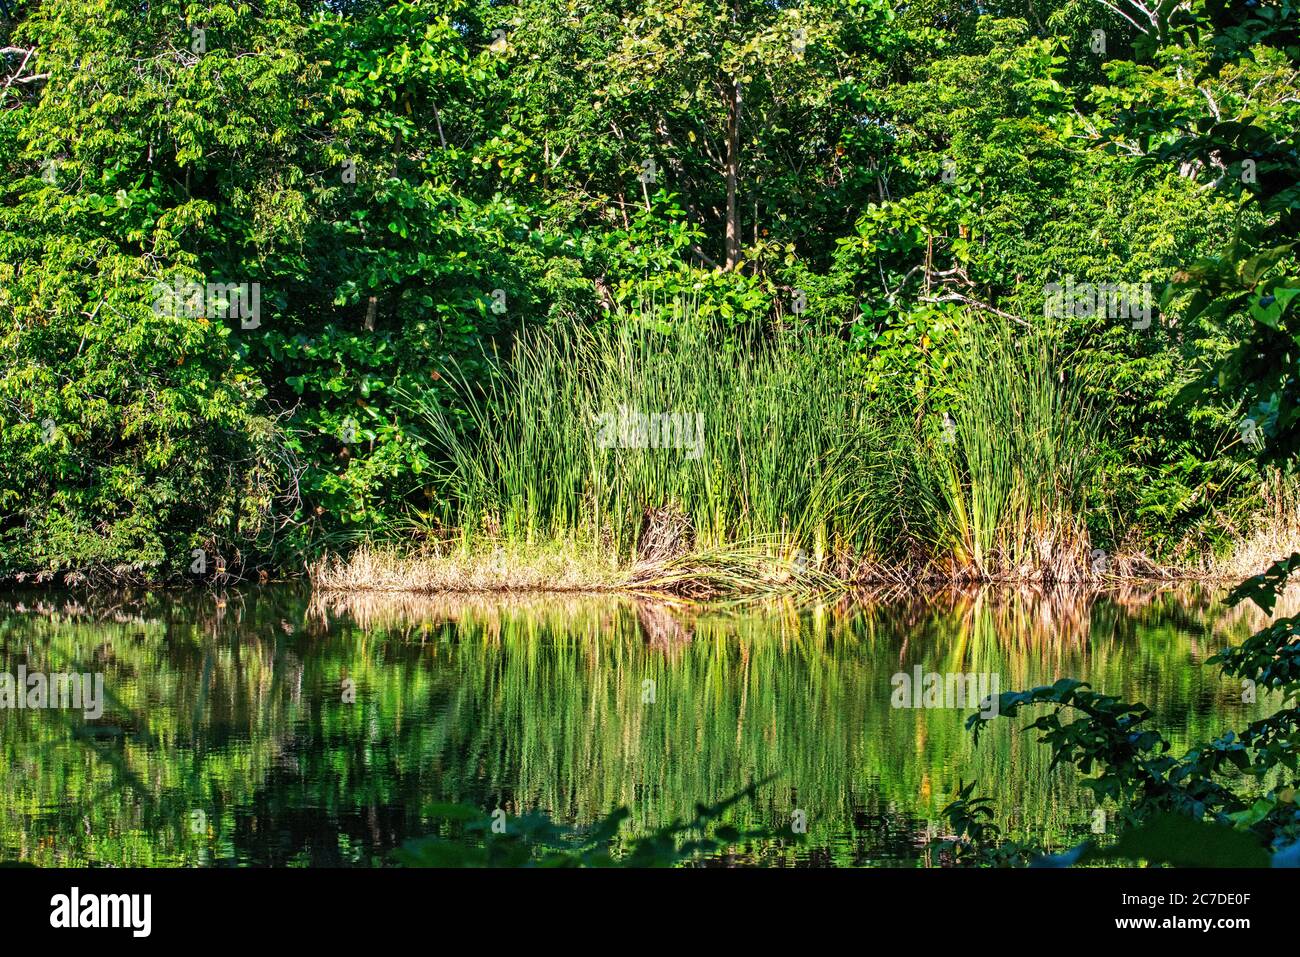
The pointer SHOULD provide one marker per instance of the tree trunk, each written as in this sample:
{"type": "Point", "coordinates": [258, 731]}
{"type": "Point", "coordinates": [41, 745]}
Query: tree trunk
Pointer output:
{"type": "Point", "coordinates": [733, 175]}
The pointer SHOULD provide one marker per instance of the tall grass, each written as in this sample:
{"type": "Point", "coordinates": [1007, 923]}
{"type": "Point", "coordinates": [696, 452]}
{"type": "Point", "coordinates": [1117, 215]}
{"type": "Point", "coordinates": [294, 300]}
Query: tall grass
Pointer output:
{"type": "Point", "coordinates": [790, 455]}
{"type": "Point", "coordinates": [1004, 488]}
{"type": "Point", "coordinates": [704, 463]}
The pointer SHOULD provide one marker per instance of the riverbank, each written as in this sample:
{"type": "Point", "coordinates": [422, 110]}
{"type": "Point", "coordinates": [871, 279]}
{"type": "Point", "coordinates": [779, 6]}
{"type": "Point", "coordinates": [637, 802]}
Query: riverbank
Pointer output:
{"type": "Point", "coordinates": [739, 572]}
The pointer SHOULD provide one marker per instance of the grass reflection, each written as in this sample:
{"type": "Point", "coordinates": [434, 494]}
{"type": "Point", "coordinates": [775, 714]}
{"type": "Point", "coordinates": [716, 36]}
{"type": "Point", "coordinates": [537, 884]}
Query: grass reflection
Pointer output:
{"type": "Point", "coordinates": [228, 738]}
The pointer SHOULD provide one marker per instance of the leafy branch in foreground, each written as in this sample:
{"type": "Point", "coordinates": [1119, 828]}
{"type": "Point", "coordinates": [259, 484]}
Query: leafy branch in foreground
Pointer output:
{"type": "Point", "coordinates": [976, 839]}
{"type": "Point", "coordinates": [1166, 839]}
{"type": "Point", "coordinates": [1264, 588]}
{"type": "Point", "coordinates": [534, 840]}
{"type": "Point", "coordinates": [1133, 764]}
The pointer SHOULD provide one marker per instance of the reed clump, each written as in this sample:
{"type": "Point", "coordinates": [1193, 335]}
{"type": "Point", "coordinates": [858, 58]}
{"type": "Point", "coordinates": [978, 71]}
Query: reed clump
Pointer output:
{"type": "Point", "coordinates": [660, 443]}
{"type": "Point", "coordinates": [652, 452]}
{"type": "Point", "coordinates": [1004, 484]}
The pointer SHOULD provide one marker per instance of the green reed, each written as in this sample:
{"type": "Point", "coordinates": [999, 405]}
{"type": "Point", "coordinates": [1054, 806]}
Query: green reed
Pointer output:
{"type": "Point", "coordinates": [597, 432]}
{"type": "Point", "coordinates": [1004, 486]}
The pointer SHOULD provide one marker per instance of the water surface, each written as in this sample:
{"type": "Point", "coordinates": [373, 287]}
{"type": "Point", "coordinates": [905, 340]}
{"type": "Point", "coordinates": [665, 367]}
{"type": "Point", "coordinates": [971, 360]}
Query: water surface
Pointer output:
{"type": "Point", "coordinates": [268, 726]}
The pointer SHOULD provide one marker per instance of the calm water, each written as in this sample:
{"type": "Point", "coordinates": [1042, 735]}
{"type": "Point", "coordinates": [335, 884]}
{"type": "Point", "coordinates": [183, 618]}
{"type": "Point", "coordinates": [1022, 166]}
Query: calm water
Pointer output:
{"type": "Point", "coordinates": [226, 737]}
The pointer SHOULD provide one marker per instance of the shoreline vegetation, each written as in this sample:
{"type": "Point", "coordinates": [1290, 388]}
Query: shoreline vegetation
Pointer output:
{"type": "Point", "coordinates": [766, 467]}
{"type": "Point", "coordinates": [720, 575]}
{"type": "Point", "coordinates": [654, 453]}
{"type": "Point", "coordinates": [929, 308]}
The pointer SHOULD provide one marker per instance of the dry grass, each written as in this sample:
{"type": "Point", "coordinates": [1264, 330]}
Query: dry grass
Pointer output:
{"type": "Point", "coordinates": [1276, 534]}
{"type": "Point", "coordinates": [498, 568]}
{"type": "Point", "coordinates": [754, 570]}
{"type": "Point", "coordinates": [671, 563]}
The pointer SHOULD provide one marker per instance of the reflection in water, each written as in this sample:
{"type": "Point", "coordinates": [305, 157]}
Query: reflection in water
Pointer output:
{"type": "Point", "coordinates": [228, 736]}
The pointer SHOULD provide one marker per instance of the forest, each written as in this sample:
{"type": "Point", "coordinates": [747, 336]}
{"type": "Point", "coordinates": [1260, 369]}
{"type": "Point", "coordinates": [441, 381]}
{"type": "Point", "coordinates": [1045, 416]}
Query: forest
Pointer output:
{"type": "Point", "coordinates": [858, 290]}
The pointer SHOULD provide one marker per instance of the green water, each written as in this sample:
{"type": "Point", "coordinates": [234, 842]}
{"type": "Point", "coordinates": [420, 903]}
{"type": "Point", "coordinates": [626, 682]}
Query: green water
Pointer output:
{"type": "Point", "coordinates": [226, 737]}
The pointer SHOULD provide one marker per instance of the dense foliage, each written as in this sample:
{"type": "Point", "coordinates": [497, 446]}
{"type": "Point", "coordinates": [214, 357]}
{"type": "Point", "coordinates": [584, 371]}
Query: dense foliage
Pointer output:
{"type": "Point", "coordinates": [412, 183]}
{"type": "Point", "coordinates": [1192, 809]}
